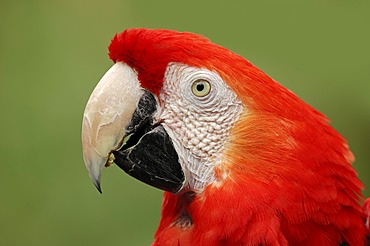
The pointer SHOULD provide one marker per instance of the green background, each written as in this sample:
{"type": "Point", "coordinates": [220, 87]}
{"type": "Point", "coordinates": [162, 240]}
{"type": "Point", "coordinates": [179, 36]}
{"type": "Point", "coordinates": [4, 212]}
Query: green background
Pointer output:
{"type": "Point", "coordinates": [52, 53]}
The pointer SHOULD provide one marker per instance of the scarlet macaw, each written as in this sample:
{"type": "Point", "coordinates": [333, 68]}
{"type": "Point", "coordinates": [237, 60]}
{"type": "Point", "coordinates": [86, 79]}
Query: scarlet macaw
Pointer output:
{"type": "Point", "coordinates": [242, 160]}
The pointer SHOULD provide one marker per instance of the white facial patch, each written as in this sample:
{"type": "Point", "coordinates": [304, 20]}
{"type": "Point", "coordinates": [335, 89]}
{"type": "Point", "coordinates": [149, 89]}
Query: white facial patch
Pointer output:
{"type": "Point", "coordinates": [199, 126]}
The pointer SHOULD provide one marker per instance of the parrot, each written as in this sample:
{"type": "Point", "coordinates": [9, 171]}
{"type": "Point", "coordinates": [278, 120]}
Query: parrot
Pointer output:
{"type": "Point", "coordinates": [241, 159]}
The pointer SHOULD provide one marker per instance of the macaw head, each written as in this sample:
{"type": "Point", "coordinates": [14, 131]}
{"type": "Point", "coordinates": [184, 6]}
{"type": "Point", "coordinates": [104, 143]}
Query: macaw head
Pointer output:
{"type": "Point", "coordinates": [190, 117]}
{"type": "Point", "coordinates": [164, 111]}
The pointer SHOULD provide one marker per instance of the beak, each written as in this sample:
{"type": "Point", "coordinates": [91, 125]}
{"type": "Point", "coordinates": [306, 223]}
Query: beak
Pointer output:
{"type": "Point", "coordinates": [118, 126]}
{"type": "Point", "coordinates": [107, 114]}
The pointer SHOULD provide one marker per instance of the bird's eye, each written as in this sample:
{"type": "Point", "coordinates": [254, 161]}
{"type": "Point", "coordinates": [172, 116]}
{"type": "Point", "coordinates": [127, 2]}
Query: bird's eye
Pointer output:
{"type": "Point", "coordinates": [201, 88]}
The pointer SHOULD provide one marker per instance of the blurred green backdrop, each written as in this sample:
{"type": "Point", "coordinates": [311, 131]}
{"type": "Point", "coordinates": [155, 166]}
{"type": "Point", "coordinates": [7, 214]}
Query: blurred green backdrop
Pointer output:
{"type": "Point", "coordinates": [52, 53]}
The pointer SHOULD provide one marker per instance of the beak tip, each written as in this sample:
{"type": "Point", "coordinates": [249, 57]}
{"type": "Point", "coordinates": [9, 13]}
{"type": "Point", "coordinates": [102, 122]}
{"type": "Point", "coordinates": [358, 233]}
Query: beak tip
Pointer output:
{"type": "Point", "coordinates": [95, 178]}
{"type": "Point", "coordinates": [95, 169]}
{"type": "Point", "coordinates": [97, 185]}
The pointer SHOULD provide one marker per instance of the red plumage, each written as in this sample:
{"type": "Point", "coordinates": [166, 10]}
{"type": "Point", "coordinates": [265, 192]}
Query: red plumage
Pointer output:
{"type": "Point", "coordinates": [289, 179]}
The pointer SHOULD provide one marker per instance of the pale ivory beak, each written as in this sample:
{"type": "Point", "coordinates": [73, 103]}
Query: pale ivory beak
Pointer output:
{"type": "Point", "coordinates": [107, 114]}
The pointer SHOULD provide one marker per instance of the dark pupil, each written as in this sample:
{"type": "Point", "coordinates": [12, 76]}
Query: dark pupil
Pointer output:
{"type": "Point", "coordinates": [200, 87]}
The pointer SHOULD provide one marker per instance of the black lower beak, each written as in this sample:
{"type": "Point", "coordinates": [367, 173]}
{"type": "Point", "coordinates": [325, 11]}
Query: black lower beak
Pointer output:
{"type": "Point", "coordinates": [149, 154]}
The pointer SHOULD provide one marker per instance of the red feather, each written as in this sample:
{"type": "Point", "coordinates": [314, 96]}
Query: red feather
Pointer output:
{"type": "Point", "coordinates": [287, 178]}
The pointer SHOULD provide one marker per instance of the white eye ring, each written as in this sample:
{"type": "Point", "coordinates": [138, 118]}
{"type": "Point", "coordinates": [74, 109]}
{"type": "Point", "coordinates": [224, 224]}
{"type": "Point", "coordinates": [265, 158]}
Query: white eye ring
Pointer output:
{"type": "Point", "coordinates": [201, 88]}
